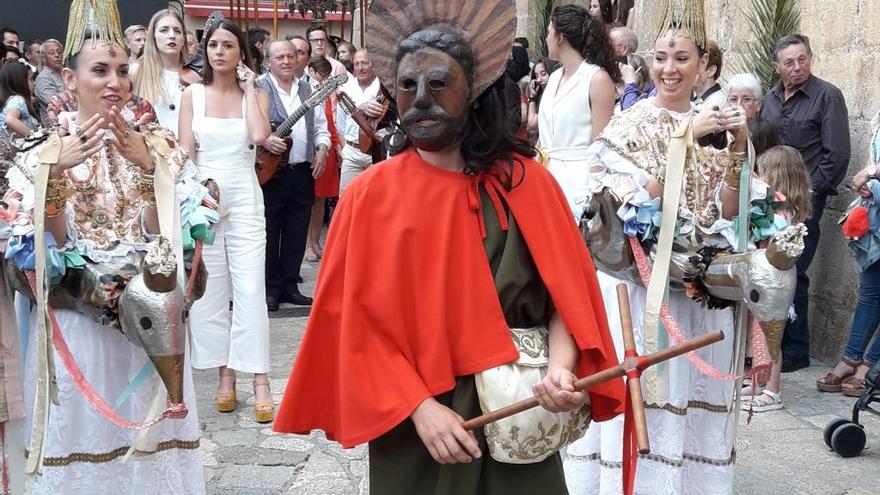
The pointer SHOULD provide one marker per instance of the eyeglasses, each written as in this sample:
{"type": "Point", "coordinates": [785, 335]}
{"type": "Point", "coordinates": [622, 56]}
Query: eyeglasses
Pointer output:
{"type": "Point", "coordinates": [744, 100]}
{"type": "Point", "coordinates": [318, 40]}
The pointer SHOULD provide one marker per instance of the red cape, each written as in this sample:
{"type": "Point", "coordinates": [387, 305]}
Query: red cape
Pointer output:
{"type": "Point", "coordinates": [406, 301]}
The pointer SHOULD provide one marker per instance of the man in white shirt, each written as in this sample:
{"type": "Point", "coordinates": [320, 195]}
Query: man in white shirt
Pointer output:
{"type": "Point", "coordinates": [363, 91]}
{"type": "Point", "coordinates": [289, 195]}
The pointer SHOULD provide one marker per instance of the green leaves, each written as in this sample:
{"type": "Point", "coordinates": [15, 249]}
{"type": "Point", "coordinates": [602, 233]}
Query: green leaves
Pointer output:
{"type": "Point", "coordinates": [768, 21]}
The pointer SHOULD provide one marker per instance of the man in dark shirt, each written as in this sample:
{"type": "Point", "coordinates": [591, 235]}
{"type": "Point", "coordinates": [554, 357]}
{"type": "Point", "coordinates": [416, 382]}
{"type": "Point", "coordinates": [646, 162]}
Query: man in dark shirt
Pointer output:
{"type": "Point", "coordinates": [810, 115]}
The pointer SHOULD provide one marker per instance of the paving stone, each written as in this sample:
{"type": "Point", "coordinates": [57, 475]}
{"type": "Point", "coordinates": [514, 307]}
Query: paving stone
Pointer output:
{"type": "Point", "coordinates": [255, 477]}
{"type": "Point", "coordinates": [291, 443]}
{"type": "Point", "coordinates": [322, 475]}
{"type": "Point", "coordinates": [235, 437]}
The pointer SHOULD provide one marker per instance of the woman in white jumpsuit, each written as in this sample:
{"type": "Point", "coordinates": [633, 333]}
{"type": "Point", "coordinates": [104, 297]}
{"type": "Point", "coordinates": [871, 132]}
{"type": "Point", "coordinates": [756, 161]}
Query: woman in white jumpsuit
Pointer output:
{"type": "Point", "coordinates": [221, 123]}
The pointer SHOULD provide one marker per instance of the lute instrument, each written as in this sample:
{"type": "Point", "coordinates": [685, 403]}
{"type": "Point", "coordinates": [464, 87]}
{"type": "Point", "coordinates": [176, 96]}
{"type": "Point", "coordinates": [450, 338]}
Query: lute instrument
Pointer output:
{"type": "Point", "coordinates": [267, 162]}
{"type": "Point", "coordinates": [371, 134]}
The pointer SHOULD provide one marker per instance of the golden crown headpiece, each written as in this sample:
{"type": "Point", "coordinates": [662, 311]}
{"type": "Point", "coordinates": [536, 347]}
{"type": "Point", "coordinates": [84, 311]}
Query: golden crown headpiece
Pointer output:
{"type": "Point", "coordinates": [688, 16]}
{"type": "Point", "coordinates": [97, 20]}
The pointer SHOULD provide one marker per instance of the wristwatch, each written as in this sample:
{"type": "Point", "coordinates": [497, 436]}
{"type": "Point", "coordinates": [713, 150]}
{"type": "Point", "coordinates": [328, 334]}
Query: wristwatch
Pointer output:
{"type": "Point", "coordinates": [321, 147]}
{"type": "Point", "coordinates": [871, 170]}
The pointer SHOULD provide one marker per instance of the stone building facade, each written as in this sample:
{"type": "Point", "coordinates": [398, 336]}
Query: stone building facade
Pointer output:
{"type": "Point", "coordinates": [845, 37]}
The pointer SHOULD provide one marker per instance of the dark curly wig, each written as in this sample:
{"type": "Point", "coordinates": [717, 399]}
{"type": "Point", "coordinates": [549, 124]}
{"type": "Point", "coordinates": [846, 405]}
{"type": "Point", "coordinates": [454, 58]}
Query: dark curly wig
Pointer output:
{"type": "Point", "coordinates": [587, 35]}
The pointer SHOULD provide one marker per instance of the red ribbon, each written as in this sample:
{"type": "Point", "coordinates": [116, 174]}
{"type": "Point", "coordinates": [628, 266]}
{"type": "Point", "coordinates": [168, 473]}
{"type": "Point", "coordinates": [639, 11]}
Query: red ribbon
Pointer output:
{"type": "Point", "coordinates": [494, 189]}
{"type": "Point", "coordinates": [630, 447]}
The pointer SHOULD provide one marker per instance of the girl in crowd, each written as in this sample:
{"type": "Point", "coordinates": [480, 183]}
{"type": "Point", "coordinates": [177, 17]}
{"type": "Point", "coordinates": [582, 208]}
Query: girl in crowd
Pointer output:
{"type": "Point", "coordinates": [601, 10]}
{"type": "Point", "coordinates": [16, 88]}
{"type": "Point", "coordinates": [327, 185]}
{"type": "Point", "coordinates": [540, 76]}
{"type": "Point", "coordinates": [101, 208]}
{"type": "Point", "coordinates": [783, 169]}
{"type": "Point", "coordinates": [222, 121]}
{"type": "Point", "coordinates": [157, 75]}
{"type": "Point", "coordinates": [690, 419]}
{"type": "Point", "coordinates": [578, 101]}
{"type": "Point", "coordinates": [848, 376]}
{"type": "Point", "coordinates": [636, 76]}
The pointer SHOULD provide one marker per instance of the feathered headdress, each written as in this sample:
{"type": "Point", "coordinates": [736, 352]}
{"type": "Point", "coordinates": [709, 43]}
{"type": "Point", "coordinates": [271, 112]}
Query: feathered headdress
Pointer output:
{"type": "Point", "coordinates": [487, 25]}
{"type": "Point", "coordinates": [685, 15]}
{"type": "Point", "coordinates": [97, 20]}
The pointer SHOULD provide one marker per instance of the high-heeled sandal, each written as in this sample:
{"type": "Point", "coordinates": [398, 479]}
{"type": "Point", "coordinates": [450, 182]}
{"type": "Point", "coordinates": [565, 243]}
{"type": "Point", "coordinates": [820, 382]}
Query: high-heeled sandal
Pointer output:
{"type": "Point", "coordinates": [264, 412]}
{"type": "Point", "coordinates": [833, 383]}
{"type": "Point", "coordinates": [226, 401]}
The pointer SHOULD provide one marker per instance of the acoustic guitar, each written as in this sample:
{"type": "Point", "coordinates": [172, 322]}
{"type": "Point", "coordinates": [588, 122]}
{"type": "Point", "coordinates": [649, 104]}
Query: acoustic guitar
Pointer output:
{"type": "Point", "coordinates": [267, 162]}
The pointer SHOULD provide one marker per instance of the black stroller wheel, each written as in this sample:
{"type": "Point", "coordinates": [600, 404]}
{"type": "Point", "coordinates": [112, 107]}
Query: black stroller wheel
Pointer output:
{"type": "Point", "coordinates": [848, 440]}
{"type": "Point", "coordinates": [831, 427]}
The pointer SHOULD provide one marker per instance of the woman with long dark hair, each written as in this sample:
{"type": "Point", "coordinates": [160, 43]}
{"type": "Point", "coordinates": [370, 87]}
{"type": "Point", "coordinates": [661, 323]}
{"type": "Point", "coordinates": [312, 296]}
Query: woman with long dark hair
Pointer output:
{"type": "Point", "coordinates": [16, 90]}
{"type": "Point", "coordinates": [602, 10]}
{"type": "Point", "coordinates": [540, 77]}
{"type": "Point", "coordinates": [578, 101]}
{"type": "Point", "coordinates": [222, 121]}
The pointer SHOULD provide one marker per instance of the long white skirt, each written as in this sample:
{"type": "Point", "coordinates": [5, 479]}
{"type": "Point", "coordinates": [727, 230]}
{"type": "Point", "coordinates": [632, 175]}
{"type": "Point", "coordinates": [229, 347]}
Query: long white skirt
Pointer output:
{"type": "Point", "coordinates": [692, 436]}
{"type": "Point", "coordinates": [83, 451]}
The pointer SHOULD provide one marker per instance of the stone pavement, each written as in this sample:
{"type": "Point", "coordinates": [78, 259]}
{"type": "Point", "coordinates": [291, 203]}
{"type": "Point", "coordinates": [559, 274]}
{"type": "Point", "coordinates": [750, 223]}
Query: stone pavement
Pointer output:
{"type": "Point", "coordinates": [780, 452]}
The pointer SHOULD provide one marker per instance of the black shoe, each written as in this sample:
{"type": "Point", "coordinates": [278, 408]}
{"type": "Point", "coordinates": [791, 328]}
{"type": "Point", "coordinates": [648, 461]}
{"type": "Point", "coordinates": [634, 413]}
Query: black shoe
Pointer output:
{"type": "Point", "coordinates": [790, 365]}
{"type": "Point", "coordinates": [272, 303]}
{"type": "Point", "coordinates": [296, 298]}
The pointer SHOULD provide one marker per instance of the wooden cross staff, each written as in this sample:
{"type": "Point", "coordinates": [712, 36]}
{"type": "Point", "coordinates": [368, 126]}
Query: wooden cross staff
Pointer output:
{"type": "Point", "coordinates": [631, 364]}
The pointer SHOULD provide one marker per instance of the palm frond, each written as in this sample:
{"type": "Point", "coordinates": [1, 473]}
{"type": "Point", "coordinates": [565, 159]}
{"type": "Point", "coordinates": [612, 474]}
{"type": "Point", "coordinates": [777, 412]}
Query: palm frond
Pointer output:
{"type": "Point", "coordinates": [538, 29]}
{"type": "Point", "coordinates": [767, 21]}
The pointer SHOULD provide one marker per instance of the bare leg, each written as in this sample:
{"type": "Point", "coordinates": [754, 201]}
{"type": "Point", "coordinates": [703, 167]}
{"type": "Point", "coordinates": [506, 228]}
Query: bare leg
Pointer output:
{"type": "Point", "coordinates": [227, 380]}
{"type": "Point", "coordinates": [315, 225]}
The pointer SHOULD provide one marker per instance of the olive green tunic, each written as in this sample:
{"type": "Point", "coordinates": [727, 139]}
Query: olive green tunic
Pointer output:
{"type": "Point", "coordinates": [399, 462]}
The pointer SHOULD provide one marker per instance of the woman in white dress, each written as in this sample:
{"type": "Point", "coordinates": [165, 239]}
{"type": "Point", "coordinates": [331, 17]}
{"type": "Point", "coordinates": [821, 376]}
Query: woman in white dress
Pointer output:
{"type": "Point", "coordinates": [100, 209]}
{"type": "Point", "coordinates": [157, 75]}
{"type": "Point", "coordinates": [578, 100]}
{"type": "Point", "coordinates": [691, 417]}
{"type": "Point", "coordinates": [221, 123]}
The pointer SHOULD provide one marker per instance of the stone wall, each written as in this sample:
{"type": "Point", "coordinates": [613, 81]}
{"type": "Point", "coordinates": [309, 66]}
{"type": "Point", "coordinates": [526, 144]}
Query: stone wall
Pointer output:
{"type": "Point", "coordinates": [845, 36]}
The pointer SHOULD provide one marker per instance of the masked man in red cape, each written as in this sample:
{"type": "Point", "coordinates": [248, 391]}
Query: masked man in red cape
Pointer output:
{"type": "Point", "coordinates": [434, 256]}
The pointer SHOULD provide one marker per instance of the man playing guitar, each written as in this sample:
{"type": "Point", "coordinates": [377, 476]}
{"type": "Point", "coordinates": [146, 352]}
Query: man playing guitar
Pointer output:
{"type": "Point", "coordinates": [364, 91]}
{"type": "Point", "coordinates": [289, 195]}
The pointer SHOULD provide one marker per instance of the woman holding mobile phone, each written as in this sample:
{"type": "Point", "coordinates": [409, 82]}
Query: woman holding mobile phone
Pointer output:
{"type": "Point", "coordinates": [221, 123]}
{"type": "Point", "coordinates": [540, 75]}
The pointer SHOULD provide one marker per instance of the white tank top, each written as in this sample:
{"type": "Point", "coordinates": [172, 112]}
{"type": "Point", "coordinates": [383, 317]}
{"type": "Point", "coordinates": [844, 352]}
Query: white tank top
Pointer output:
{"type": "Point", "coordinates": [220, 143]}
{"type": "Point", "coordinates": [565, 120]}
{"type": "Point", "coordinates": [168, 108]}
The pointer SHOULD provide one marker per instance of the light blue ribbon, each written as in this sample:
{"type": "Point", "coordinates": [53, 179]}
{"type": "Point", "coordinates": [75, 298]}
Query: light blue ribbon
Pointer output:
{"type": "Point", "coordinates": [143, 375]}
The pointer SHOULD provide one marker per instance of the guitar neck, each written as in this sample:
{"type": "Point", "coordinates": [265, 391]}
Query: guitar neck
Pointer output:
{"type": "Point", "coordinates": [284, 129]}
